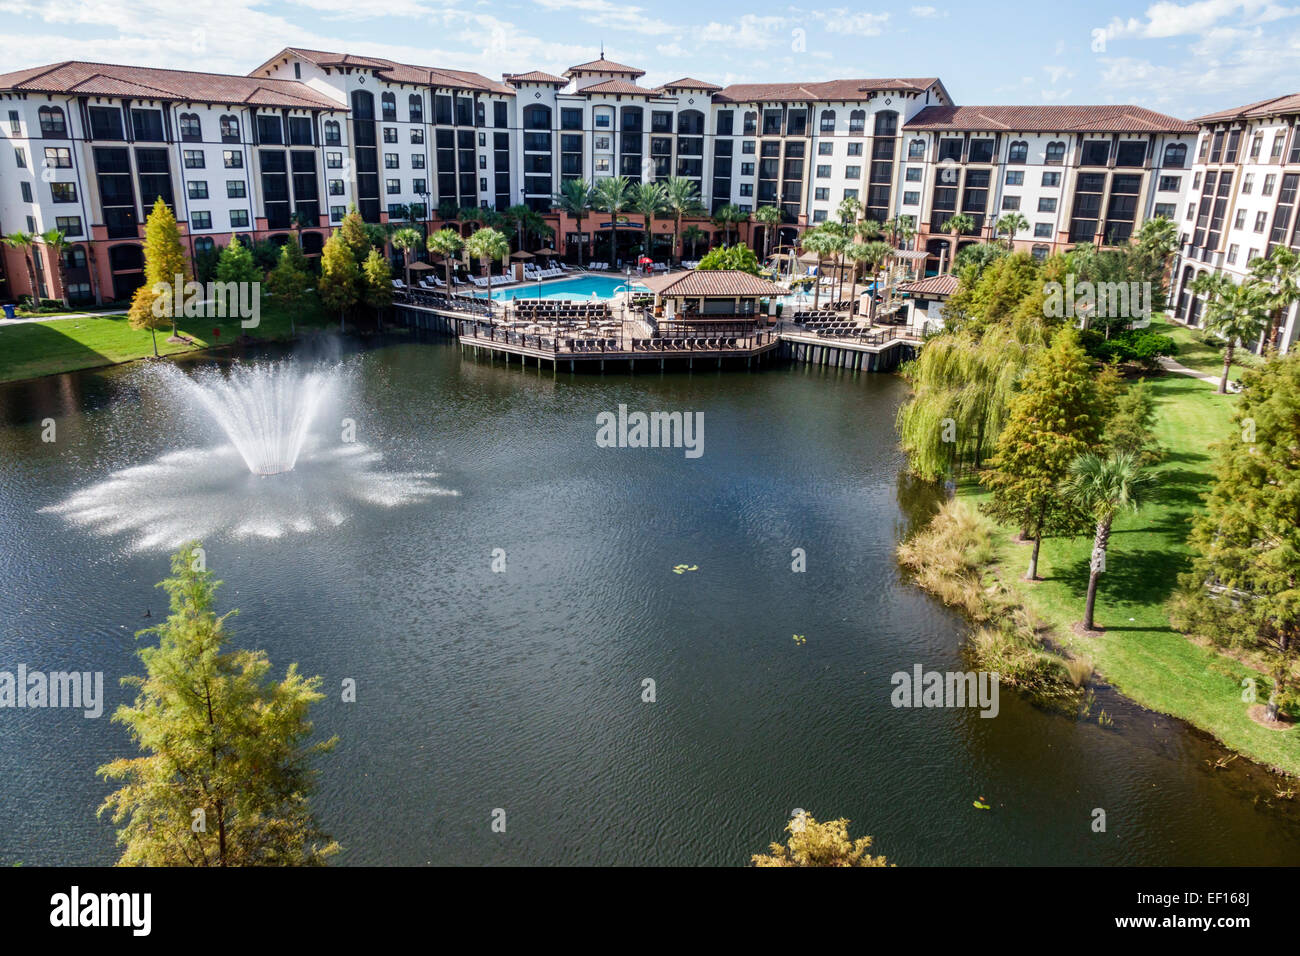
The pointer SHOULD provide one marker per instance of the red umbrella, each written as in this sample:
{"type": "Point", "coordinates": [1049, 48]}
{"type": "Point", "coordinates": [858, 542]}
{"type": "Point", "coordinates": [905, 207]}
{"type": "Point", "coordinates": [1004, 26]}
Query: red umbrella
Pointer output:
{"type": "Point", "coordinates": [644, 260]}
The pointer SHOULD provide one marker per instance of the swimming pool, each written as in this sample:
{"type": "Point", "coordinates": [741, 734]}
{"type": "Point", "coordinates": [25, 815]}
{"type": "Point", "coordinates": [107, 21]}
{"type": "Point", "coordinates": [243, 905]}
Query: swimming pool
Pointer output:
{"type": "Point", "coordinates": [579, 287]}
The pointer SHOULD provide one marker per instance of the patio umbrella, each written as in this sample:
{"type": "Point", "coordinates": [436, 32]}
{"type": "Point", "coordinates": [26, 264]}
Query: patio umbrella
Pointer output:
{"type": "Point", "coordinates": [645, 260]}
{"type": "Point", "coordinates": [420, 267]}
{"type": "Point", "coordinates": [521, 255]}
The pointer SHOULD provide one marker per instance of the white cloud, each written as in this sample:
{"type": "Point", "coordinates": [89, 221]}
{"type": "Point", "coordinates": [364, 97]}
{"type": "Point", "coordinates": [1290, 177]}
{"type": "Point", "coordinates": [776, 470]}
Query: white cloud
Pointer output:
{"type": "Point", "coordinates": [928, 13]}
{"type": "Point", "coordinates": [844, 21]}
{"type": "Point", "coordinates": [603, 13]}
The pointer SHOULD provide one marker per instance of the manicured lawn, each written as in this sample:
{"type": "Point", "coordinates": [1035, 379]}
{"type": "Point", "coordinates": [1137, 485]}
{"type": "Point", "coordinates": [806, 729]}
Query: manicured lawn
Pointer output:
{"type": "Point", "coordinates": [32, 349]}
{"type": "Point", "coordinates": [1139, 652]}
{"type": "Point", "coordinates": [1203, 353]}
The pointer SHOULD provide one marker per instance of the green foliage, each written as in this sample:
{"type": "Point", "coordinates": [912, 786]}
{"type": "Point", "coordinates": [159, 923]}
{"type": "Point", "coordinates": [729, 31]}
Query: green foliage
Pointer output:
{"type": "Point", "coordinates": [1243, 590]}
{"type": "Point", "coordinates": [1130, 424]}
{"type": "Point", "coordinates": [236, 264]}
{"type": "Point", "coordinates": [340, 277]}
{"type": "Point", "coordinates": [739, 257]}
{"type": "Point", "coordinates": [1141, 346]}
{"type": "Point", "coordinates": [289, 281]}
{"type": "Point", "coordinates": [352, 231]}
{"type": "Point", "coordinates": [819, 844]}
{"type": "Point", "coordinates": [220, 737]}
{"type": "Point", "coordinates": [377, 288]}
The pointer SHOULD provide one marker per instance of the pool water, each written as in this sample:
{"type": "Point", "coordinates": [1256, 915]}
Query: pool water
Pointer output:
{"type": "Point", "coordinates": [581, 287]}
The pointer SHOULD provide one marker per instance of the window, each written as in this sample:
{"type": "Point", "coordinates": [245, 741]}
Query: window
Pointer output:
{"type": "Point", "coordinates": [388, 105]}
{"type": "Point", "coordinates": [1170, 184]}
{"type": "Point", "coordinates": [912, 199]}
{"type": "Point", "coordinates": [193, 158]}
{"type": "Point", "coordinates": [334, 160]}
{"type": "Point", "coordinates": [855, 149]}
{"type": "Point", "coordinates": [913, 174]}
{"type": "Point", "coordinates": [20, 158]}
{"type": "Point", "coordinates": [981, 151]}
{"type": "Point", "coordinates": [1131, 153]}
{"type": "Point", "coordinates": [417, 136]}
{"type": "Point", "coordinates": [1055, 153]}
{"type": "Point", "coordinates": [332, 134]}
{"type": "Point", "coordinates": [1191, 211]}
{"type": "Point", "coordinates": [64, 192]}
{"type": "Point", "coordinates": [230, 129]}
{"type": "Point", "coordinates": [191, 128]}
{"type": "Point", "coordinates": [58, 157]}
{"type": "Point", "coordinates": [52, 121]}
{"type": "Point", "coordinates": [822, 194]}
{"type": "Point", "coordinates": [828, 121]}
{"type": "Point", "coordinates": [391, 161]}
{"type": "Point", "coordinates": [393, 186]}
{"type": "Point", "coordinates": [197, 189]}
{"type": "Point", "coordinates": [1096, 152]}
{"type": "Point", "coordinates": [336, 187]}
{"type": "Point", "coordinates": [390, 134]}
{"type": "Point", "coordinates": [1269, 182]}
{"type": "Point", "coordinates": [747, 146]}
{"type": "Point", "coordinates": [1015, 177]}
{"type": "Point", "coordinates": [1040, 252]}
{"type": "Point", "coordinates": [1051, 180]}
{"type": "Point", "coordinates": [417, 160]}
{"type": "Point", "coordinates": [236, 189]}
{"type": "Point", "coordinates": [819, 215]}
{"type": "Point", "coordinates": [1166, 210]}
{"type": "Point", "coordinates": [1018, 152]}
{"type": "Point", "coordinates": [1176, 155]}
{"type": "Point", "coordinates": [1046, 204]}
{"type": "Point", "coordinates": [1042, 230]}
{"type": "Point", "coordinates": [603, 120]}
{"type": "Point", "coordinates": [1256, 144]}
{"type": "Point", "coordinates": [858, 121]}
{"type": "Point", "coordinates": [823, 172]}
{"type": "Point", "coordinates": [1240, 221]}
{"type": "Point", "coordinates": [482, 163]}
{"type": "Point", "coordinates": [1196, 181]}
{"type": "Point", "coordinates": [853, 172]}
{"type": "Point", "coordinates": [233, 159]}
{"type": "Point", "coordinates": [1261, 220]}
{"type": "Point", "coordinates": [70, 226]}
{"type": "Point", "coordinates": [238, 218]}
{"type": "Point", "coordinates": [337, 213]}
{"type": "Point", "coordinates": [1010, 202]}
{"type": "Point", "coordinates": [500, 116]}
{"type": "Point", "coordinates": [415, 108]}
{"type": "Point", "coordinates": [1279, 138]}
{"type": "Point", "coordinates": [1232, 254]}
{"type": "Point", "coordinates": [1247, 183]}
{"type": "Point", "coordinates": [15, 127]}
{"type": "Point", "coordinates": [950, 150]}
{"type": "Point", "coordinates": [746, 169]}
{"type": "Point", "coordinates": [25, 190]}
{"type": "Point", "coordinates": [200, 220]}
{"type": "Point", "coordinates": [916, 149]}
{"type": "Point", "coordinates": [825, 148]}
{"type": "Point", "coordinates": [850, 194]}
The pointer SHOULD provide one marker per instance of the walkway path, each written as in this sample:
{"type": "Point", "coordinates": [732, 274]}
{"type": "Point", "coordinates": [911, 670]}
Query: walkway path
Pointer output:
{"type": "Point", "coordinates": [61, 315]}
{"type": "Point", "coordinates": [1169, 365]}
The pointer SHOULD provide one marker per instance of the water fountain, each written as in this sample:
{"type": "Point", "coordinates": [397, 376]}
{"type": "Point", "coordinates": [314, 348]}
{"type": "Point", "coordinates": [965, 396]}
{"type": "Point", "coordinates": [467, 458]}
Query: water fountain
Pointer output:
{"type": "Point", "coordinates": [272, 417]}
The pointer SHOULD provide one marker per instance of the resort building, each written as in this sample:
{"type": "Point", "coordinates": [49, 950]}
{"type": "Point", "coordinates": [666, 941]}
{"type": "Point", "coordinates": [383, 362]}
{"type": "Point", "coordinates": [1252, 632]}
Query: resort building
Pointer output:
{"type": "Point", "coordinates": [1242, 201]}
{"type": "Point", "coordinates": [309, 133]}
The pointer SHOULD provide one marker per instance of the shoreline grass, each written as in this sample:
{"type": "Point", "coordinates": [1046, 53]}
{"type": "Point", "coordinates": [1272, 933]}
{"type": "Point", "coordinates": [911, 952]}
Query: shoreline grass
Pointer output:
{"type": "Point", "coordinates": [1140, 653]}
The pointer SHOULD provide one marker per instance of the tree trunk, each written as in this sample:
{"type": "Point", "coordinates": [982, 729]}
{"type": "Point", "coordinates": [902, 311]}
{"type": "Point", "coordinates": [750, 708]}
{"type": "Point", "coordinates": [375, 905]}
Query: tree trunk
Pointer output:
{"type": "Point", "coordinates": [154, 332]}
{"type": "Point", "coordinates": [1033, 558]}
{"type": "Point", "coordinates": [1227, 367]}
{"type": "Point", "coordinates": [1099, 542]}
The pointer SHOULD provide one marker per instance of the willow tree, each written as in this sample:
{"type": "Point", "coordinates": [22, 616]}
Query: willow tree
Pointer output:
{"type": "Point", "coordinates": [1053, 419]}
{"type": "Point", "coordinates": [1243, 589]}
{"type": "Point", "coordinates": [225, 777]}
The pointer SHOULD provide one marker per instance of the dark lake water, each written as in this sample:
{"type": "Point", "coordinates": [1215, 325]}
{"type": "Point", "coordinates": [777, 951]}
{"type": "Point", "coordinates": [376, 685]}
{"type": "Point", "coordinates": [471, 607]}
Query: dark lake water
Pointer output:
{"type": "Point", "coordinates": [522, 690]}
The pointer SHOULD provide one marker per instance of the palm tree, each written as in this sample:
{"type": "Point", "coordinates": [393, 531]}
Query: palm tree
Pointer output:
{"type": "Point", "coordinates": [26, 241]}
{"type": "Point", "coordinates": [956, 225]}
{"type": "Point", "coordinates": [848, 211]}
{"type": "Point", "coordinates": [875, 255]}
{"type": "Point", "coordinates": [1280, 270]}
{"type": "Point", "coordinates": [681, 198]}
{"type": "Point", "coordinates": [574, 198]}
{"type": "Point", "coordinates": [447, 243]}
{"type": "Point", "coordinates": [769, 217]}
{"type": "Point", "coordinates": [821, 244]}
{"type": "Point", "coordinates": [1104, 488]}
{"type": "Point", "coordinates": [727, 216]}
{"type": "Point", "coordinates": [408, 240]}
{"type": "Point", "coordinates": [1238, 314]}
{"type": "Point", "coordinates": [692, 234]}
{"type": "Point", "coordinates": [57, 243]}
{"type": "Point", "coordinates": [488, 244]}
{"type": "Point", "coordinates": [648, 199]}
{"type": "Point", "coordinates": [1012, 223]}
{"type": "Point", "coordinates": [868, 229]}
{"type": "Point", "coordinates": [612, 195]}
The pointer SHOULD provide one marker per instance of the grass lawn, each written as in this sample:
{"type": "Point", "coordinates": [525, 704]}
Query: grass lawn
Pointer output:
{"type": "Point", "coordinates": [1203, 353]}
{"type": "Point", "coordinates": [1139, 652]}
{"type": "Point", "coordinates": [32, 349]}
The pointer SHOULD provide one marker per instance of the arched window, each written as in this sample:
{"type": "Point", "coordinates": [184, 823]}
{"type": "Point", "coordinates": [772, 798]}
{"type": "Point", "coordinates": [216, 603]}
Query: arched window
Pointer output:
{"type": "Point", "coordinates": [203, 244]}
{"type": "Point", "coordinates": [1018, 152]}
{"type": "Point", "coordinates": [886, 122]}
{"type": "Point", "coordinates": [751, 123]}
{"type": "Point", "coordinates": [363, 105]}
{"type": "Point", "coordinates": [191, 128]}
{"type": "Point", "coordinates": [828, 121]}
{"type": "Point", "coordinates": [416, 106]}
{"type": "Point", "coordinates": [1040, 252]}
{"type": "Point", "coordinates": [388, 101]}
{"type": "Point", "coordinates": [858, 121]}
{"type": "Point", "coordinates": [1055, 152]}
{"type": "Point", "coordinates": [537, 117]}
{"type": "Point", "coordinates": [690, 123]}
{"type": "Point", "coordinates": [916, 149]}
{"type": "Point", "coordinates": [52, 121]}
{"type": "Point", "coordinates": [230, 128]}
{"type": "Point", "coordinates": [1176, 155]}
{"type": "Point", "coordinates": [332, 137]}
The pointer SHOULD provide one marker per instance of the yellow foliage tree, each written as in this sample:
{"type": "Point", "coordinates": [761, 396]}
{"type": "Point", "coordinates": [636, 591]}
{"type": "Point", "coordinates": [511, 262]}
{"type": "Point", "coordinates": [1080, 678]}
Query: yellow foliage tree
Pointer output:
{"type": "Point", "coordinates": [165, 259]}
{"type": "Point", "coordinates": [141, 315]}
{"type": "Point", "coordinates": [819, 844]}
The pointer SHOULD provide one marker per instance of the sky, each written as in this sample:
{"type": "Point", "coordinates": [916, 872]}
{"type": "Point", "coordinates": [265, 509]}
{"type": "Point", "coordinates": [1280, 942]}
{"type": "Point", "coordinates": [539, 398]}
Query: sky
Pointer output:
{"type": "Point", "coordinates": [1185, 59]}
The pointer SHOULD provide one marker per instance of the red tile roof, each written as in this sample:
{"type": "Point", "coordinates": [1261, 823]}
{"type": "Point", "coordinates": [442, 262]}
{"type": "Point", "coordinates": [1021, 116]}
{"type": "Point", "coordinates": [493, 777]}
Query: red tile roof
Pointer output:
{"type": "Point", "coordinates": [618, 86]}
{"type": "Point", "coordinates": [828, 90]}
{"type": "Point", "coordinates": [720, 283]}
{"type": "Point", "coordinates": [146, 82]}
{"type": "Point", "coordinates": [604, 66]}
{"type": "Point", "coordinates": [1275, 106]}
{"type": "Point", "coordinates": [393, 71]}
{"type": "Point", "coordinates": [536, 76]}
{"type": "Point", "coordinates": [689, 83]}
{"type": "Point", "coordinates": [1048, 119]}
{"type": "Point", "coordinates": [935, 285]}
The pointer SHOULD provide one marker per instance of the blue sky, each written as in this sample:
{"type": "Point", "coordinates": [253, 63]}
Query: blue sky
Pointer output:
{"type": "Point", "coordinates": [1182, 58]}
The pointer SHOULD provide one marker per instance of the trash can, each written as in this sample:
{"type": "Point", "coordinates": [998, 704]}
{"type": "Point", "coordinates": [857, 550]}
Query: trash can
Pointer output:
{"type": "Point", "coordinates": [10, 312]}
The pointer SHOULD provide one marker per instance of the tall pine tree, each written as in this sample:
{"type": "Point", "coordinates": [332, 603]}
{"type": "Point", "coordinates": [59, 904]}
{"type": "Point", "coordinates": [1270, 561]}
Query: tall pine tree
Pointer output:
{"type": "Point", "coordinates": [1054, 418]}
{"type": "Point", "coordinates": [165, 262]}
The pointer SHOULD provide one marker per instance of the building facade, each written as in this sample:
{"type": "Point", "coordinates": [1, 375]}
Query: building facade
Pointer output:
{"type": "Point", "coordinates": [309, 133]}
{"type": "Point", "coordinates": [1242, 202]}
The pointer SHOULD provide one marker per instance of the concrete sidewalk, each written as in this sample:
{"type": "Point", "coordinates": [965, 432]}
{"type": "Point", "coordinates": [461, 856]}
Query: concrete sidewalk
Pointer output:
{"type": "Point", "coordinates": [1170, 365]}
